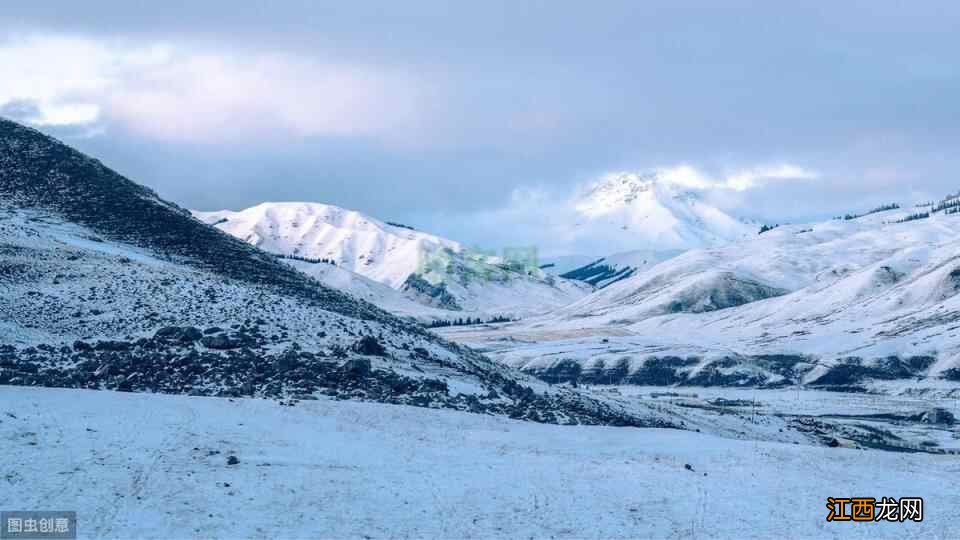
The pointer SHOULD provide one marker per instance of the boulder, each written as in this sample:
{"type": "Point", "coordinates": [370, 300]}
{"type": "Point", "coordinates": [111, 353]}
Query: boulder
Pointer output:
{"type": "Point", "coordinates": [178, 334]}
{"type": "Point", "coordinates": [368, 345]}
{"type": "Point", "coordinates": [357, 368]}
{"type": "Point", "coordinates": [938, 416]}
{"type": "Point", "coordinates": [224, 341]}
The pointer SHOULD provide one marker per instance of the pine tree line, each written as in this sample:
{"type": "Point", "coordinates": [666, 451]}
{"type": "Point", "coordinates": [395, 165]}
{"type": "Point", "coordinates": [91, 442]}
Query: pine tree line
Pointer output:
{"type": "Point", "coordinates": [881, 208]}
{"type": "Point", "coordinates": [308, 259]}
{"type": "Point", "coordinates": [468, 321]}
{"type": "Point", "coordinates": [946, 204]}
{"type": "Point", "coordinates": [914, 217]}
{"type": "Point", "coordinates": [401, 225]}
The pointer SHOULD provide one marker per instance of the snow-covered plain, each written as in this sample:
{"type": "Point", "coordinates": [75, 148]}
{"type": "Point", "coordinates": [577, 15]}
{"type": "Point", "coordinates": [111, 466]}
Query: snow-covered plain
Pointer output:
{"type": "Point", "coordinates": [341, 469]}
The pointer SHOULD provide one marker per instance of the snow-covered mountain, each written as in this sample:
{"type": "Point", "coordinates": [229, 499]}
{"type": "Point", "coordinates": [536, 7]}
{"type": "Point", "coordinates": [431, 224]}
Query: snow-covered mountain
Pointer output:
{"type": "Point", "coordinates": [872, 297]}
{"type": "Point", "coordinates": [644, 219]}
{"type": "Point", "coordinates": [353, 241]}
{"type": "Point", "coordinates": [632, 211]}
{"type": "Point", "coordinates": [427, 269]}
{"type": "Point", "coordinates": [105, 285]}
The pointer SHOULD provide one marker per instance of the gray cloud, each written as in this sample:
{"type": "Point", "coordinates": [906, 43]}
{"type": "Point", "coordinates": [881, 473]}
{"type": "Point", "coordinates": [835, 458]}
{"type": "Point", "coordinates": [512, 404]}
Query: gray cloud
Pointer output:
{"type": "Point", "coordinates": [21, 110]}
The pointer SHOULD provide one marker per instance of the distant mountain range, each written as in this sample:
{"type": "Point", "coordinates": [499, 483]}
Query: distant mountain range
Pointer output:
{"type": "Point", "coordinates": [868, 300]}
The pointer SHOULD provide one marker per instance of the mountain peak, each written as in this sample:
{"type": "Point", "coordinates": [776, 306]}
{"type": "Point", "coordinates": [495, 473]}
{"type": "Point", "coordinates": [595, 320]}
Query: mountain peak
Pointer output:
{"type": "Point", "coordinates": [620, 188]}
{"type": "Point", "coordinates": [645, 210]}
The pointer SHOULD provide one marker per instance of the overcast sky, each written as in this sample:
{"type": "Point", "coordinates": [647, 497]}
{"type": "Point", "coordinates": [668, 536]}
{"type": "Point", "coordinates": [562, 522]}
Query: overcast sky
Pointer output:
{"type": "Point", "coordinates": [445, 113]}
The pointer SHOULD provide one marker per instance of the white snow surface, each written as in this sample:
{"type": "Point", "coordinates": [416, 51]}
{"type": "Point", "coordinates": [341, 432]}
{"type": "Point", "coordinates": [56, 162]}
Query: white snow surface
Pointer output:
{"type": "Point", "coordinates": [153, 466]}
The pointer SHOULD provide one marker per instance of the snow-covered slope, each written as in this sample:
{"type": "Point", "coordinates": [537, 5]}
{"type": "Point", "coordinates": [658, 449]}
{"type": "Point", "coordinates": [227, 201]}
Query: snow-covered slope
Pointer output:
{"type": "Point", "coordinates": [372, 291]}
{"type": "Point", "coordinates": [562, 264]}
{"type": "Point", "coordinates": [611, 269]}
{"type": "Point", "coordinates": [835, 303]}
{"type": "Point", "coordinates": [428, 269]}
{"type": "Point", "coordinates": [105, 285]}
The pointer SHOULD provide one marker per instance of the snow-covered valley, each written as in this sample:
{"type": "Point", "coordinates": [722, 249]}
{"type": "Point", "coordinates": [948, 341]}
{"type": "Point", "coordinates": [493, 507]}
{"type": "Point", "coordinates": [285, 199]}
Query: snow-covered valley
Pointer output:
{"type": "Point", "coordinates": [341, 469]}
{"type": "Point", "coordinates": [263, 374]}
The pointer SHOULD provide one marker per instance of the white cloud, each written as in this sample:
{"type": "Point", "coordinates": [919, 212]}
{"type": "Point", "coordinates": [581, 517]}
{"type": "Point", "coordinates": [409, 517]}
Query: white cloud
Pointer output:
{"type": "Point", "coordinates": [187, 94]}
{"type": "Point", "coordinates": [685, 176]}
{"type": "Point", "coordinates": [737, 180]}
{"type": "Point", "coordinates": [749, 178]}
{"type": "Point", "coordinates": [564, 221]}
{"type": "Point", "coordinates": [57, 75]}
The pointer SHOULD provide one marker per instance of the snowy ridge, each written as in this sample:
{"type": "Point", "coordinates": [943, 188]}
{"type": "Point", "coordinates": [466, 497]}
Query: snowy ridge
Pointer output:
{"type": "Point", "coordinates": [354, 241]}
{"type": "Point", "coordinates": [399, 258]}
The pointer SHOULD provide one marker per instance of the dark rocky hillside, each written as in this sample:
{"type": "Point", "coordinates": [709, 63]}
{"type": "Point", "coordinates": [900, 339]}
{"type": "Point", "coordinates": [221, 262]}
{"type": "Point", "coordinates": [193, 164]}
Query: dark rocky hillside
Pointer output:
{"type": "Point", "coordinates": [37, 171]}
{"type": "Point", "coordinates": [107, 286]}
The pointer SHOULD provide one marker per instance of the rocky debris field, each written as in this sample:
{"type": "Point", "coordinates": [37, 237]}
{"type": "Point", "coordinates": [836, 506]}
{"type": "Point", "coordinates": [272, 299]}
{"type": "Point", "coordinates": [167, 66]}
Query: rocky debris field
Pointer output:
{"type": "Point", "coordinates": [849, 374]}
{"type": "Point", "coordinates": [239, 363]}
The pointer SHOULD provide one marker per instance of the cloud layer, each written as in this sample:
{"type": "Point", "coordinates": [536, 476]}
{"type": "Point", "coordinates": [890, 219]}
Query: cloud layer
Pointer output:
{"type": "Point", "coordinates": [556, 219]}
{"type": "Point", "coordinates": [436, 113]}
{"type": "Point", "coordinates": [197, 95]}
